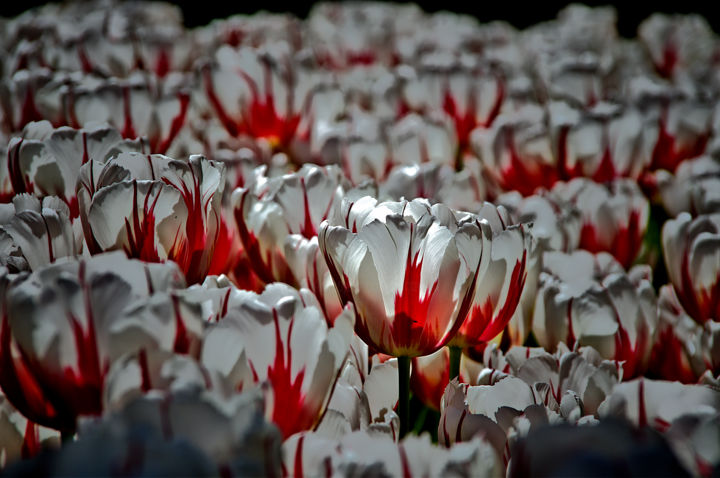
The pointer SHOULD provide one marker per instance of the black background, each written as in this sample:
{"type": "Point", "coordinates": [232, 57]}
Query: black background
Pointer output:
{"type": "Point", "coordinates": [520, 14]}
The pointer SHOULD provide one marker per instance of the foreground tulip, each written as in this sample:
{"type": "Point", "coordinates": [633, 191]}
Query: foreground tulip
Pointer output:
{"type": "Point", "coordinates": [281, 338]}
{"type": "Point", "coordinates": [170, 434]}
{"type": "Point", "coordinates": [500, 286]}
{"type": "Point", "coordinates": [410, 269]}
{"type": "Point", "coordinates": [365, 454]}
{"type": "Point", "coordinates": [63, 325]}
{"type": "Point", "coordinates": [691, 248]}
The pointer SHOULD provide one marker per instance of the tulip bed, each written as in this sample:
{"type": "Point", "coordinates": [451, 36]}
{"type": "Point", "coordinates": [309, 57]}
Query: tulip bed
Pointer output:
{"type": "Point", "coordinates": [374, 241]}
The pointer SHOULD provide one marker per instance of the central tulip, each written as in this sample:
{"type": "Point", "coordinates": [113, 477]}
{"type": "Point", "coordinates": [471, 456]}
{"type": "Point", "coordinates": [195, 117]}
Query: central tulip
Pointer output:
{"type": "Point", "coordinates": [409, 268]}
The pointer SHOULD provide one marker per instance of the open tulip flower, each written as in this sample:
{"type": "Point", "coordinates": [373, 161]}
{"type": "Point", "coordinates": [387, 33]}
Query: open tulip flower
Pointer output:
{"type": "Point", "coordinates": [292, 204]}
{"type": "Point", "coordinates": [35, 234]}
{"type": "Point", "coordinates": [46, 162]}
{"type": "Point", "coordinates": [588, 299]}
{"type": "Point", "coordinates": [691, 250]}
{"type": "Point", "coordinates": [155, 208]}
{"type": "Point", "coordinates": [281, 338]}
{"type": "Point", "coordinates": [63, 325]}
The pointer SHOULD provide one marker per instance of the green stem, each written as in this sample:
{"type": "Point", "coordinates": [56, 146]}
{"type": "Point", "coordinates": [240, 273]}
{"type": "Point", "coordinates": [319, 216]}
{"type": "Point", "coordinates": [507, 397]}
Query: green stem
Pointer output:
{"type": "Point", "coordinates": [404, 395]}
{"type": "Point", "coordinates": [455, 356]}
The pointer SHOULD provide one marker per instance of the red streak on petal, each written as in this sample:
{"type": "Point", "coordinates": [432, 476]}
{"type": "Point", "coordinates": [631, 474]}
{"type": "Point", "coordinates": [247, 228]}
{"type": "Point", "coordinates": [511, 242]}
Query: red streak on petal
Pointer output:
{"type": "Point", "coordinates": [31, 441]}
{"type": "Point", "coordinates": [290, 412]}
{"type": "Point", "coordinates": [642, 416]}
{"type": "Point", "coordinates": [298, 465]}
{"type": "Point", "coordinates": [141, 233]}
{"type": "Point", "coordinates": [404, 461]}
{"type": "Point", "coordinates": [230, 125]}
{"type": "Point", "coordinates": [181, 344]}
{"type": "Point", "coordinates": [176, 125]}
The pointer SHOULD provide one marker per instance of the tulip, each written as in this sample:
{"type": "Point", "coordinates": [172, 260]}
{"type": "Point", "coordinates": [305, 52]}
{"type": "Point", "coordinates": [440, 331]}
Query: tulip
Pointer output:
{"type": "Point", "coordinates": [614, 216]}
{"type": "Point", "coordinates": [500, 286]}
{"type": "Point", "coordinates": [46, 161]}
{"type": "Point", "coordinates": [556, 223]}
{"type": "Point", "coordinates": [281, 337]}
{"type": "Point", "coordinates": [436, 182]}
{"type": "Point", "coordinates": [20, 438]}
{"type": "Point", "coordinates": [64, 324]}
{"type": "Point", "coordinates": [185, 431]}
{"type": "Point", "coordinates": [309, 454]}
{"type": "Point", "coordinates": [690, 248]}
{"type": "Point", "coordinates": [260, 92]}
{"type": "Point", "coordinates": [586, 299]}
{"type": "Point", "coordinates": [294, 204]}
{"type": "Point", "coordinates": [693, 188]}
{"type": "Point", "coordinates": [415, 302]}
{"type": "Point", "coordinates": [658, 403]}
{"type": "Point", "coordinates": [667, 40]}
{"type": "Point", "coordinates": [154, 208]}
{"type": "Point", "coordinates": [36, 234]}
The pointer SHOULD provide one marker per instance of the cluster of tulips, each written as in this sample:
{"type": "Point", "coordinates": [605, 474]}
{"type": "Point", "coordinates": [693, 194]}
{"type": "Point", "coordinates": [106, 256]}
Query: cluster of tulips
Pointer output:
{"type": "Point", "coordinates": [371, 242]}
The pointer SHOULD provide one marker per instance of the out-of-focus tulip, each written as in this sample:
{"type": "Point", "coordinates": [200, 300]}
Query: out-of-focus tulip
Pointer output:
{"type": "Point", "coordinates": [657, 403]}
{"type": "Point", "coordinates": [281, 337]}
{"type": "Point", "coordinates": [46, 161]}
{"type": "Point", "coordinates": [261, 92]}
{"type": "Point", "coordinates": [500, 285]}
{"type": "Point", "coordinates": [435, 182]}
{"type": "Point", "coordinates": [20, 438]}
{"type": "Point", "coordinates": [684, 349]}
{"type": "Point", "coordinates": [614, 216]}
{"type": "Point", "coordinates": [431, 374]}
{"type": "Point", "coordinates": [683, 123]}
{"type": "Point", "coordinates": [410, 269]}
{"type": "Point", "coordinates": [65, 323]}
{"type": "Point", "coordinates": [691, 249]}
{"type": "Point", "coordinates": [556, 224]}
{"type": "Point", "coordinates": [603, 448]}
{"type": "Point", "coordinates": [186, 431]}
{"type": "Point", "coordinates": [135, 106]}
{"type": "Point", "coordinates": [587, 299]}
{"type": "Point", "coordinates": [537, 146]}
{"type": "Point", "coordinates": [293, 204]}
{"type": "Point", "coordinates": [155, 208]}
{"type": "Point", "coordinates": [362, 453]}
{"type": "Point", "coordinates": [694, 188]}
{"type": "Point", "coordinates": [678, 45]}
{"type": "Point", "coordinates": [35, 234]}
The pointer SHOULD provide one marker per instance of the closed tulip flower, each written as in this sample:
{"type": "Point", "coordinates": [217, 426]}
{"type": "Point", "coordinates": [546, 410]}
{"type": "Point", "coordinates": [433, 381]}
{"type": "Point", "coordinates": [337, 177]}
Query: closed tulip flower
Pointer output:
{"type": "Point", "coordinates": [155, 208]}
{"type": "Point", "coordinates": [411, 270]}
{"type": "Point", "coordinates": [691, 248]}
{"type": "Point", "coordinates": [614, 216]}
{"type": "Point", "coordinates": [586, 299]}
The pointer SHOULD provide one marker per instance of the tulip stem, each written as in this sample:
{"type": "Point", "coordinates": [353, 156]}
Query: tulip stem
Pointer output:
{"type": "Point", "coordinates": [455, 356]}
{"type": "Point", "coordinates": [404, 394]}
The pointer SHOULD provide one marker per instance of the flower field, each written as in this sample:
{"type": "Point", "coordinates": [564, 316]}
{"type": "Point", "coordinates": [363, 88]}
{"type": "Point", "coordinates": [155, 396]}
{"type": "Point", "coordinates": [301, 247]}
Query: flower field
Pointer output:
{"type": "Point", "coordinates": [370, 242]}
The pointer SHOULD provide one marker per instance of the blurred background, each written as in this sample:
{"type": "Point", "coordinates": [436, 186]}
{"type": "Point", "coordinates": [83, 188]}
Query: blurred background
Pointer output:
{"type": "Point", "coordinates": [519, 14]}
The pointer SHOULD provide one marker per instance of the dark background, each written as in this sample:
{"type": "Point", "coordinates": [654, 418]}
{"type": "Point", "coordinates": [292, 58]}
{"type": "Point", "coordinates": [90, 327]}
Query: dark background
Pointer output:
{"type": "Point", "coordinates": [520, 14]}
